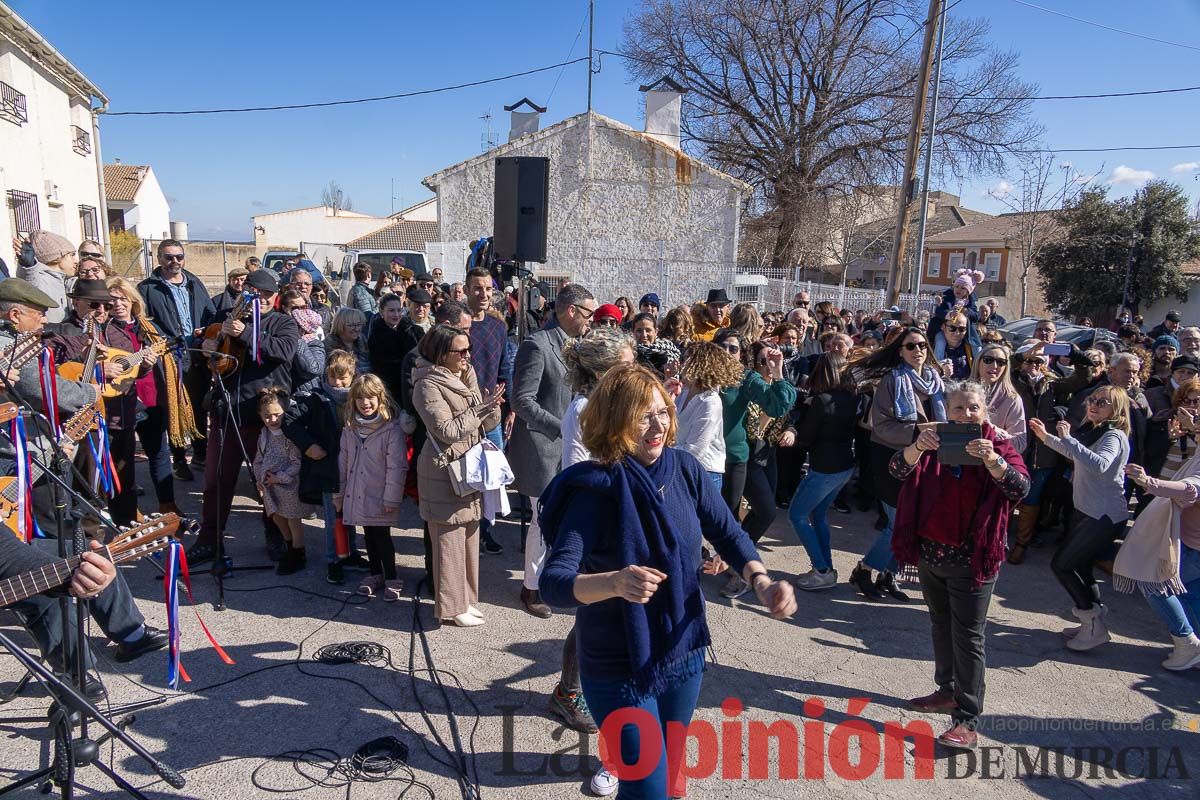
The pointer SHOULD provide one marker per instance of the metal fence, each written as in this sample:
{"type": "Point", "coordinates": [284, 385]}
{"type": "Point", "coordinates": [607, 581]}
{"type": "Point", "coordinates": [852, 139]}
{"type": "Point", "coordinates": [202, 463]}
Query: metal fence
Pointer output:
{"type": "Point", "coordinates": [208, 260]}
{"type": "Point", "coordinates": [782, 285]}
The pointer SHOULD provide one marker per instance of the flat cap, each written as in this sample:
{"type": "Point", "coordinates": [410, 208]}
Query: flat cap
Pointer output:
{"type": "Point", "coordinates": [418, 295]}
{"type": "Point", "coordinates": [19, 290]}
{"type": "Point", "coordinates": [264, 280]}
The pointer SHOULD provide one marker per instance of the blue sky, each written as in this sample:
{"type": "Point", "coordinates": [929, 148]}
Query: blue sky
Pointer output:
{"type": "Point", "coordinates": [220, 170]}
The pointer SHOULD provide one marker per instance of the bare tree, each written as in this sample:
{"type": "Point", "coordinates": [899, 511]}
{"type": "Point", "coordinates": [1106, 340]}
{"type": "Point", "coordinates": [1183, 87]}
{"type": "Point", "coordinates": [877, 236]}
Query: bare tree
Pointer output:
{"type": "Point", "coordinates": [333, 197]}
{"type": "Point", "coordinates": [1034, 203]}
{"type": "Point", "coordinates": [805, 98]}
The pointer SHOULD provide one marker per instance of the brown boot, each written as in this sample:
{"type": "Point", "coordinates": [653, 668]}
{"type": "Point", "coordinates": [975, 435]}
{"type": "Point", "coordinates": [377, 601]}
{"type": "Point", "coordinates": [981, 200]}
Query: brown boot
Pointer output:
{"type": "Point", "coordinates": [1025, 523]}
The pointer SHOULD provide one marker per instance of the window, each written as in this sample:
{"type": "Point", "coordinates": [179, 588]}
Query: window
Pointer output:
{"type": "Point", "coordinates": [991, 266]}
{"type": "Point", "coordinates": [81, 141]}
{"type": "Point", "coordinates": [933, 267]}
{"type": "Point", "coordinates": [12, 105]}
{"type": "Point", "coordinates": [955, 264]}
{"type": "Point", "coordinates": [87, 222]}
{"type": "Point", "coordinates": [23, 212]}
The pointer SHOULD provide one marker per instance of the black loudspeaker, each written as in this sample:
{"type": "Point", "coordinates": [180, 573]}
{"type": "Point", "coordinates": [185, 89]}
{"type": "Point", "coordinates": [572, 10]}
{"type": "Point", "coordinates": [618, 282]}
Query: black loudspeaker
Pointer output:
{"type": "Point", "coordinates": [522, 194]}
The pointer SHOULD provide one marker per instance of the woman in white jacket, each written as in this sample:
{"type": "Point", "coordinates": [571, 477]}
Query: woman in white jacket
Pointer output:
{"type": "Point", "coordinates": [587, 359]}
{"type": "Point", "coordinates": [701, 425]}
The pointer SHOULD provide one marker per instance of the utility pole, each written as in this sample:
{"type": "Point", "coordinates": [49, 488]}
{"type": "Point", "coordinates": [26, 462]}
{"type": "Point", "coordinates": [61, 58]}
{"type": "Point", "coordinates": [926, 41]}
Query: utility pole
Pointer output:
{"type": "Point", "coordinates": [937, 85]}
{"type": "Point", "coordinates": [920, 94]}
{"type": "Point", "coordinates": [591, 54]}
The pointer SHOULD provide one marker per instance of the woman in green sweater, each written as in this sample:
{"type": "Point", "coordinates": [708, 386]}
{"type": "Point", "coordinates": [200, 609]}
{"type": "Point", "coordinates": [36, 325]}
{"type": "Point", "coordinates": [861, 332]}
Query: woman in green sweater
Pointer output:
{"type": "Point", "coordinates": [773, 394]}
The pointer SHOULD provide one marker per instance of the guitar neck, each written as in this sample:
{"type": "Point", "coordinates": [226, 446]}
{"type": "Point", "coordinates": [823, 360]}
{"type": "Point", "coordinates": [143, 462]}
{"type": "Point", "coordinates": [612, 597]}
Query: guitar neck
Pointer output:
{"type": "Point", "coordinates": [27, 584]}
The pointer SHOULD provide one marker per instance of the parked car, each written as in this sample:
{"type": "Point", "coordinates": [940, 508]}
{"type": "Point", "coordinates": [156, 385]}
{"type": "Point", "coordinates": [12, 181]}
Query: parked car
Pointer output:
{"type": "Point", "coordinates": [1017, 331]}
{"type": "Point", "coordinates": [380, 261]}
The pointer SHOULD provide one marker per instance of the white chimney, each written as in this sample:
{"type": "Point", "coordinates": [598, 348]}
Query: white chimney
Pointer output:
{"type": "Point", "coordinates": [524, 122]}
{"type": "Point", "coordinates": [664, 104]}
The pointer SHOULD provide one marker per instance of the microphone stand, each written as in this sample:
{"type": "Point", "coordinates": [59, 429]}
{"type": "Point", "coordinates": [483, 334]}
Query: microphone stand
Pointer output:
{"type": "Point", "coordinates": [68, 752]}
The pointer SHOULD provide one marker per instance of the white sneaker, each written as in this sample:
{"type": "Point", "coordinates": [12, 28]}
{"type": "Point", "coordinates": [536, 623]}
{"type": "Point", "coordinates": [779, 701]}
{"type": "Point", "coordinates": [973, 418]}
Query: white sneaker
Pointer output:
{"type": "Point", "coordinates": [474, 612]}
{"type": "Point", "coordinates": [814, 580]}
{"type": "Point", "coordinates": [1094, 633]}
{"type": "Point", "coordinates": [604, 783]}
{"type": "Point", "coordinates": [1185, 655]}
{"type": "Point", "coordinates": [465, 621]}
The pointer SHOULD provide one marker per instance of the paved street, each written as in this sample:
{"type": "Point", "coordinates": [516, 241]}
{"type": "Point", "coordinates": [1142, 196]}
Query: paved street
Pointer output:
{"type": "Point", "coordinates": [1115, 704]}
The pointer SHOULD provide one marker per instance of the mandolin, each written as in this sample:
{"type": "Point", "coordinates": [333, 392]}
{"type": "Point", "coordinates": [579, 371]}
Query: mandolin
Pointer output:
{"type": "Point", "coordinates": [85, 372]}
{"type": "Point", "coordinates": [218, 342]}
{"type": "Point", "coordinates": [74, 429]}
{"type": "Point", "coordinates": [137, 542]}
{"type": "Point", "coordinates": [24, 349]}
{"type": "Point", "coordinates": [130, 364]}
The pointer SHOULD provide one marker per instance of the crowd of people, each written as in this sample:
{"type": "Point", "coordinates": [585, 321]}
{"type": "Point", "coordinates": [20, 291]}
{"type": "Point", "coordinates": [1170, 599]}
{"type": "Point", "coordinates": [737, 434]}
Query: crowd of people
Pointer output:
{"type": "Point", "coordinates": [632, 434]}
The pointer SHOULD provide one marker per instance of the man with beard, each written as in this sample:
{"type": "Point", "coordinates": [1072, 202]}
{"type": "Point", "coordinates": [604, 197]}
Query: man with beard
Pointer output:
{"type": "Point", "coordinates": [1165, 348]}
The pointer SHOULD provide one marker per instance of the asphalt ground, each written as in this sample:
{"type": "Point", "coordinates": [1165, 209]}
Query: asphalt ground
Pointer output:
{"type": "Point", "coordinates": [832, 683]}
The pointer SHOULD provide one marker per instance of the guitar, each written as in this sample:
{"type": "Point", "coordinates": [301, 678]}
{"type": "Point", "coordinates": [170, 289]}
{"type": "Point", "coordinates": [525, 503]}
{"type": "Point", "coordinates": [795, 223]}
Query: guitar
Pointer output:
{"type": "Point", "coordinates": [85, 371]}
{"type": "Point", "coordinates": [130, 364]}
{"type": "Point", "coordinates": [24, 349]}
{"type": "Point", "coordinates": [218, 342]}
{"type": "Point", "coordinates": [137, 542]}
{"type": "Point", "coordinates": [73, 429]}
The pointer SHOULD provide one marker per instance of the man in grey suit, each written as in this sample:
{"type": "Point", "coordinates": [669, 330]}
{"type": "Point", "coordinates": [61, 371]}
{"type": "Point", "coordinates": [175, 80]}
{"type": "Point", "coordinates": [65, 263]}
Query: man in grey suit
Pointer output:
{"type": "Point", "coordinates": [540, 399]}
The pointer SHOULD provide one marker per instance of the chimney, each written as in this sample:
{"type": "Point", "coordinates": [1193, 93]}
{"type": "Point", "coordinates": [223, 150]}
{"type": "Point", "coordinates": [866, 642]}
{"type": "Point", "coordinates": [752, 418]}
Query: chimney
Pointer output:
{"type": "Point", "coordinates": [664, 104]}
{"type": "Point", "coordinates": [524, 122]}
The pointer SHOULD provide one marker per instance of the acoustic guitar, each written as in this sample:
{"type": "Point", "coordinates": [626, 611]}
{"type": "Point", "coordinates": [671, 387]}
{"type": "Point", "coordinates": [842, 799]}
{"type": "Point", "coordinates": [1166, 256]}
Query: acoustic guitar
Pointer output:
{"type": "Point", "coordinates": [74, 429]}
{"type": "Point", "coordinates": [129, 362]}
{"type": "Point", "coordinates": [24, 349]}
{"type": "Point", "coordinates": [218, 342]}
{"type": "Point", "coordinates": [137, 542]}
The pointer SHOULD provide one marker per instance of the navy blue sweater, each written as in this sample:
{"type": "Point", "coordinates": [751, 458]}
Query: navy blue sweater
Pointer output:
{"type": "Point", "coordinates": [587, 543]}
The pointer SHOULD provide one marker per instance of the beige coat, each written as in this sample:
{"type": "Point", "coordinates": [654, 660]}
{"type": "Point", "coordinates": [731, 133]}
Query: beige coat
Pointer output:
{"type": "Point", "coordinates": [445, 402]}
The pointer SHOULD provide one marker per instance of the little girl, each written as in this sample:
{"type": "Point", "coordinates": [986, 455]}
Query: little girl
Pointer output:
{"type": "Point", "coordinates": [372, 464]}
{"type": "Point", "coordinates": [276, 471]}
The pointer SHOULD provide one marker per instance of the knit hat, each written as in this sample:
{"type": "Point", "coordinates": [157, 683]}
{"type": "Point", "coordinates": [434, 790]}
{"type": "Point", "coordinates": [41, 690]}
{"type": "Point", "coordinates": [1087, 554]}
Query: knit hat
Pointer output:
{"type": "Point", "coordinates": [50, 247]}
{"type": "Point", "coordinates": [607, 311]}
{"type": "Point", "coordinates": [651, 299]}
{"type": "Point", "coordinates": [308, 320]}
{"type": "Point", "coordinates": [1165, 341]}
{"type": "Point", "coordinates": [968, 279]}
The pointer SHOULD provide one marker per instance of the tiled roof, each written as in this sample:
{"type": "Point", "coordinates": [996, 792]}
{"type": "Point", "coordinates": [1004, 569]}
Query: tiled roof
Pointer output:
{"type": "Point", "coordinates": [989, 229]}
{"type": "Point", "coordinates": [1190, 269]}
{"type": "Point", "coordinates": [402, 235]}
{"type": "Point", "coordinates": [121, 181]}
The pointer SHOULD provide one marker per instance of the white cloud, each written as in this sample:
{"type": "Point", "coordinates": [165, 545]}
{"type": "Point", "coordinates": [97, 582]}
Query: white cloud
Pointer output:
{"type": "Point", "coordinates": [1129, 176]}
{"type": "Point", "coordinates": [1001, 189]}
{"type": "Point", "coordinates": [1186, 167]}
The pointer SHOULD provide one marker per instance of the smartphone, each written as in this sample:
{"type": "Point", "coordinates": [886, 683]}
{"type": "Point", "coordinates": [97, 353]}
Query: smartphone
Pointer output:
{"type": "Point", "coordinates": [1057, 349]}
{"type": "Point", "coordinates": [953, 438]}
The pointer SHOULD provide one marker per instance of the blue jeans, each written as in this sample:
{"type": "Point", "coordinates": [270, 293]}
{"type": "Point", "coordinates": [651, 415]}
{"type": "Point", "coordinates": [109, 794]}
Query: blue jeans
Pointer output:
{"type": "Point", "coordinates": [880, 556]}
{"type": "Point", "coordinates": [716, 478]}
{"type": "Point", "coordinates": [1038, 478]}
{"type": "Point", "coordinates": [152, 431]}
{"type": "Point", "coordinates": [330, 535]}
{"type": "Point", "coordinates": [496, 437]}
{"type": "Point", "coordinates": [676, 704]}
{"type": "Point", "coordinates": [811, 502]}
{"type": "Point", "coordinates": [1182, 612]}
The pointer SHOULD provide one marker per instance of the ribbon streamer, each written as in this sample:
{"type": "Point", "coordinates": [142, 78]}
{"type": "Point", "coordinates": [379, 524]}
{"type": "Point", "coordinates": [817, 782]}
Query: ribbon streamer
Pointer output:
{"type": "Point", "coordinates": [27, 525]}
{"type": "Point", "coordinates": [47, 377]}
{"type": "Point", "coordinates": [255, 322]}
{"type": "Point", "coordinates": [177, 571]}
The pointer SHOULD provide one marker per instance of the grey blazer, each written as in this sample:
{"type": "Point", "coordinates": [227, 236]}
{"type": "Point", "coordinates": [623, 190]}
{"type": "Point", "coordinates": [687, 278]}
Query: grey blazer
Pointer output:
{"type": "Point", "coordinates": [540, 399]}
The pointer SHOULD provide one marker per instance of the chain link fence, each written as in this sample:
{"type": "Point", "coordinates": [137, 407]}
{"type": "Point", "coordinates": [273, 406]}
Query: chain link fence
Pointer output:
{"type": "Point", "coordinates": [208, 260]}
{"type": "Point", "coordinates": [781, 286]}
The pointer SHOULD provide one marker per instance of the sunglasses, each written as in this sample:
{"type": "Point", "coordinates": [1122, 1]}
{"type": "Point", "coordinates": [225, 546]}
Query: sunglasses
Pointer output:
{"type": "Point", "coordinates": [461, 352]}
{"type": "Point", "coordinates": [910, 346]}
{"type": "Point", "coordinates": [97, 306]}
{"type": "Point", "coordinates": [956, 328]}
{"type": "Point", "coordinates": [992, 361]}
{"type": "Point", "coordinates": [91, 255]}
{"type": "Point", "coordinates": [1099, 402]}
{"type": "Point", "coordinates": [801, 304]}
{"type": "Point", "coordinates": [1192, 402]}
{"type": "Point", "coordinates": [1036, 362]}
{"type": "Point", "coordinates": [1045, 330]}
{"type": "Point", "coordinates": [172, 257]}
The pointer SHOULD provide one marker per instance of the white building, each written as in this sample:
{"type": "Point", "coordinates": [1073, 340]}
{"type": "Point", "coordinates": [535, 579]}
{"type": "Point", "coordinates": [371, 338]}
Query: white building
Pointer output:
{"type": "Point", "coordinates": [49, 150]}
{"type": "Point", "coordinates": [629, 212]}
{"type": "Point", "coordinates": [424, 211]}
{"type": "Point", "coordinates": [286, 230]}
{"type": "Point", "coordinates": [136, 202]}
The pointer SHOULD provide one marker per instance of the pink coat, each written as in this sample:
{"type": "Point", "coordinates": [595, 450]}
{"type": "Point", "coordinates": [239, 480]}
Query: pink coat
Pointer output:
{"type": "Point", "coordinates": [372, 474]}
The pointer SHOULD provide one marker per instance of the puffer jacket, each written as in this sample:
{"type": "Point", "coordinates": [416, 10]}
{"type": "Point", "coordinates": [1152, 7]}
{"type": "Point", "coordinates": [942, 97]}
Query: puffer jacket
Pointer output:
{"type": "Point", "coordinates": [445, 402]}
{"type": "Point", "coordinates": [366, 465]}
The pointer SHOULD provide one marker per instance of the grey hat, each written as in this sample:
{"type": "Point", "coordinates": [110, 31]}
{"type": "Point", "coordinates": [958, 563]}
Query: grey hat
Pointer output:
{"type": "Point", "coordinates": [19, 290]}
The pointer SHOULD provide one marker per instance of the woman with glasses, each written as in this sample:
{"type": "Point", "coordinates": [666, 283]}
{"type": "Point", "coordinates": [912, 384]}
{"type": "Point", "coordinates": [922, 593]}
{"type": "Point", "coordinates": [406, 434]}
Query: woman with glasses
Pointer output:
{"type": "Point", "coordinates": [309, 364]}
{"type": "Point", "coordinates": [909, 392]}
{"type": "Point", "coordinates": [1098, 454]}
{"type": "Point", "coordinates": [1005, 411]}
{"type": "Point", "coordinates": [346, 333]}
{"type": "Point", "coordinates": [627, 310]}
{"type": "Point", "coordinates": [958, 354]}
{"type": "Point", "coordinates": [772, 394]}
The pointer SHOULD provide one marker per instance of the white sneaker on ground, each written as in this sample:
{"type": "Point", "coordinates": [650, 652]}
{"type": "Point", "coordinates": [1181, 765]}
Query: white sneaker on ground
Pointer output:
{"type": "Point", "coordinates": [1185, 655]}
{"type": "Point", "coordinates": [474, 612]}
{"type": "Point", "coordinates": [814, 580]}
{"type": "Point", "coordinates": [604, 783]}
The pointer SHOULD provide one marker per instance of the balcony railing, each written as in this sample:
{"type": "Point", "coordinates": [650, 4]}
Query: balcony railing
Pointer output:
{"type": "Point", "coordinates": [12, 105]}
{"type": "Point", "coordinates": [81, 140]}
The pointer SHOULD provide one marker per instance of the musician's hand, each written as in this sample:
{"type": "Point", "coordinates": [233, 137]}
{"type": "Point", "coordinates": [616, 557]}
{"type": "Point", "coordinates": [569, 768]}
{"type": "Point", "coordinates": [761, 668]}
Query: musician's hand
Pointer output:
{"type": "Point", "coordinates": [94, 573]}
{"type": "Point", "coordinates": [713, 565]}
{"type": "Point", "coordinates": [233, 327]}
{"type": "Point", "coordinates": [209, 345]}
{"type": "Point", "coordinates": [261, 489]}
{"type": "Point", "coordinates": [13, 375]}
{"type": "Point", "coordinates": [315, 452]}
{"type": "Point", "coordinates": [149, 357]}
{"type": "Point", "coordinates": [112, 370]}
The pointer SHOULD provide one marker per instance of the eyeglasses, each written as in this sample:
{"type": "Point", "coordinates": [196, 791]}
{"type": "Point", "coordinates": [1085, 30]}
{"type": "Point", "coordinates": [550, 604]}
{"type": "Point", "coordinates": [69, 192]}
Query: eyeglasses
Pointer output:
{"type": "Point", "coordinates": [97, 306]}
{"type": "Point", "coordinates": [1191, 402]}
{"type": "Point", "coordinates": [910, 346]}
{"type": "Point", "coordinates": [663, 417]}
{"type": "Point", "coordinates": [607, 322]}
{"type": "Point", "coordinates": [730, 347]}
{"type": "Point", "coordinates": [91, 255]}
{"type": "Point", "coordinates": [1099, 402]}
{"type": "Point", "coordinates": [955, 328]}
{"type": "Point", "coordinates": [1036, 362]}
{"type": "Point", "coordinates": [992, 361]}
{"type": "Point", "coordinates": [584, 311]}
{"type": "Point", "coordinates": [1045, 330]}
{"type": "Point", "coordinates": [172, 256]}
{"type": "Point", "coordinates": [91, 271]}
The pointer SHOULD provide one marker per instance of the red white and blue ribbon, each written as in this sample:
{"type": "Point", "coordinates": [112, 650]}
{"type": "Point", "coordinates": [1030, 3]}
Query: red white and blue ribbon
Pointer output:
{"type": "Point", "coordinates": [255, 323]}
{"type": "Point", "coordinates": [27, 525]}
{"type": "Point", "coordinates": [47, 376]}
{"type": "Point", "coordinates": [176, 572]}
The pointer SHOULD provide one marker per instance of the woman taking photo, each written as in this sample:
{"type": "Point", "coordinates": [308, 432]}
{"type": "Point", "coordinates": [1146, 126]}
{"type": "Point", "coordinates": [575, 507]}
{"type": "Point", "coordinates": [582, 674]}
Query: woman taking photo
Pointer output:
{"type": "Point", "coordinates": [1005, 411]}
{"type": "Point", "coordinates": [707, 370]}
{"type": "Point", "coordinates": [826, 431]}
{"type": "Point", "coordinates": [909, 392]}
{"type": "Point", "coordinates": [1098, 455]}
{"type": "Point", "coordinates": [765, 434]}
{"type": "Point", "coordinates": [346, 333]}
{"type": "Point", "coordinates": [958, 357]}
{"type": "Point", "coordinates": [952, 524]}
{"type": "Point", "coordinates": [624, 532]}
{"type": "Point", "coordinates": [456, 416]}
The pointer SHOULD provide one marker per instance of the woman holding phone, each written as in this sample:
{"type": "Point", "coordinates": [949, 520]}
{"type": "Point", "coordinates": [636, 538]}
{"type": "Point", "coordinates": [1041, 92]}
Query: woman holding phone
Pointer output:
{"type": "Point", "coordinates": [1098, 454]}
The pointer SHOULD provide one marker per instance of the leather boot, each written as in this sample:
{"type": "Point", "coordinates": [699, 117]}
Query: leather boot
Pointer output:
{"type": "Point", "coordinates": [169, 508]}
{"type": "Point", "coordinates": [1025, 523]}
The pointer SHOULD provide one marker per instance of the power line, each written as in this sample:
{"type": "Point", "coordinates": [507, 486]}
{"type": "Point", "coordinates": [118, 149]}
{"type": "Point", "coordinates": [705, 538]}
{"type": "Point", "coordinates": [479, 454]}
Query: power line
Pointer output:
{"type": "Point", "coordinates": [1106, 27]}
{"type": "Point", "coordinates": [345, 102]}
{"type": "Point", "coordinates": [1112, 149]}
{"type": "Point", "coordinates": [570, 53]}
{"type": "Point", "coordinates": [1143, 93]}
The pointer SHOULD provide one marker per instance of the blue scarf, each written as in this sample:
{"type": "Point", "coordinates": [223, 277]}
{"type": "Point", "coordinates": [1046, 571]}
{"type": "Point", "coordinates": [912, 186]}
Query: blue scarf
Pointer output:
{"type": "Point", "coordinates": [929, 383]}
{"type": "Point", "coordinates": [661, 634]}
